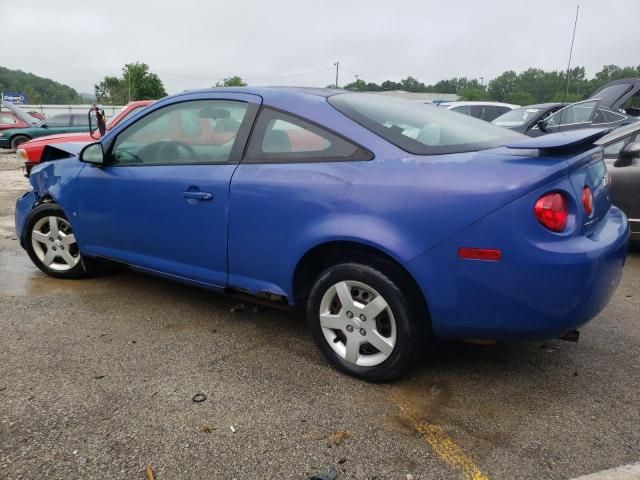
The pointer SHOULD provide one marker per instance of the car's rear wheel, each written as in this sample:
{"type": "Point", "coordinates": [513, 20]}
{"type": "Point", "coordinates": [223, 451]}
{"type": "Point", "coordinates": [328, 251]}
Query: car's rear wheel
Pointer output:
{"type": "Point", "coordinates": [363, 322]}
{"type": "Point", "coordinates": [51, 244]}
{"type": "Point", "coordinates": [18, 140]}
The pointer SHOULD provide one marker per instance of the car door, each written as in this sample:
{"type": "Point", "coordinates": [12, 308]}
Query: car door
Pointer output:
{"type": "Point", "coordinates": [625, 181]}
{"type": "Point", "coordinates": [572, 117]}
{"type": "Point", "coordinates": [161, 201]}
{"type": "Point", "coordinates": [56, 124]}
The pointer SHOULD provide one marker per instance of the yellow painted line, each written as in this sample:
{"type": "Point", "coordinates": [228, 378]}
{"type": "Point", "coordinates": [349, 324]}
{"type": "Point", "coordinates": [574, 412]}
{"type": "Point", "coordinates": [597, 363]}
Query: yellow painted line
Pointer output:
{"type": "Point", "coordinates": [441, 443]}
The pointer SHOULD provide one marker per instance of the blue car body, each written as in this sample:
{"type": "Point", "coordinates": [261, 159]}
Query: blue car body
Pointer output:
{"type": "Point", "coordinates": [418, 210]}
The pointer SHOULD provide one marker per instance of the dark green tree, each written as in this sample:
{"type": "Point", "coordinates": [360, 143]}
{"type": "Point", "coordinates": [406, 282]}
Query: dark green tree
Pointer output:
{"type": "Point", "coordinates": [37, 89]}
{"type": "Point", "coordinates": [234, 81]}
{"type": "Point", "coordinates": [137, 83]}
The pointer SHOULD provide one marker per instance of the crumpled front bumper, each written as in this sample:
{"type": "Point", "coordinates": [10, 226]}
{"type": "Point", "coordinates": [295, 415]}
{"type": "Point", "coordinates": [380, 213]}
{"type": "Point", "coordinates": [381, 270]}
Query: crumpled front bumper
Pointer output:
{"type": "Point", "coordinates": [24, 205]}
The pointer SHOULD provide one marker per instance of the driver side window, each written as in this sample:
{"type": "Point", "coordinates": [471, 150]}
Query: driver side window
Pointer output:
{"type": "Point", "coordinates": [193, 132]}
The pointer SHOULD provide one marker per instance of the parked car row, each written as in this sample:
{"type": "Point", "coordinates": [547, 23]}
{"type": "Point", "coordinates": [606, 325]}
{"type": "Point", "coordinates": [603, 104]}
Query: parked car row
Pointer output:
{"type": "Point", "coordinates": [604, 108]}
{"type": "Point", "coordinates": [30, 152]}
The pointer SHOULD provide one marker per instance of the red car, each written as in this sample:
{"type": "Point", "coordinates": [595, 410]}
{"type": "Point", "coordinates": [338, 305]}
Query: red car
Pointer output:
{"type": "Point", "coordinates": [10, 120]}
{"type": "Point", "coordinates": [31, 152]}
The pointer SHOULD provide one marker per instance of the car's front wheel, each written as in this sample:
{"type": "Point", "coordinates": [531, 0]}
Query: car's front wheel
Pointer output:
{"type": "Point", "coordinates": [18, 140]}
{"type": "Point", "coordinates": [363, 322]}
{"type": "Point", "coordinates": [51, 244]}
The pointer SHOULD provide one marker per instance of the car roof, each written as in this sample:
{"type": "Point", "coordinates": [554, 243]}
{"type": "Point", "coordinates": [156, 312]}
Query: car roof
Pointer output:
{"type": "Point", "coordinates": [462, 103]}
{"type": "Point", "coordinates": [619, 133]}
{"type": "Point", "coordinates": [544, 105]}
{"type": "Point", "coordinates": [269, 92]}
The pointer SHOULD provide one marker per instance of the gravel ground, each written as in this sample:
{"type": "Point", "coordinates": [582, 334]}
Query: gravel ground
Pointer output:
{"type": "Point", "coordinates": [8, 160]}
{"type": "Point", "coordinates": [97, 379]}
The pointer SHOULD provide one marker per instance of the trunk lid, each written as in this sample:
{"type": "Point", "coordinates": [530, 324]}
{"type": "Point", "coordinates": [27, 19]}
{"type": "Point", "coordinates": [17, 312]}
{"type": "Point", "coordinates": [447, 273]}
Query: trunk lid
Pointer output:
{"type": "Point", "coordinates": [614, 94]}
{"type": "Point", "coordinates": [586, 168]}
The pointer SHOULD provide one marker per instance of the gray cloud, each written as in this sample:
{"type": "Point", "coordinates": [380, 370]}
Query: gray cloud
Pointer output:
{"type": "Point", "coordinates": [192, 43]}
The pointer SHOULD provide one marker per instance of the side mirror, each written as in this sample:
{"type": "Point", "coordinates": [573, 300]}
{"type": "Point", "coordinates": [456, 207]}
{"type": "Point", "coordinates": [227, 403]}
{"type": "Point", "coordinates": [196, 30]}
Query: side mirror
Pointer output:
{"type": "Point", "coordinates": [542, 125]}
{"type": "Point", "coordinates": [44, 125]}
{"type": "Point", "coordinates": [92, 153]}
{"type": "Point", "coordinates": [627, 154]}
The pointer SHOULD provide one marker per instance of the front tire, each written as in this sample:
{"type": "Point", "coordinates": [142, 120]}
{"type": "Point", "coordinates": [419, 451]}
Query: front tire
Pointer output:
{"type": "Point", "coordinates": [51, 244]}
{"type": "Point", "coordinates": [18, 140]}
{"type": "Point", "coordinates": [363, 322]}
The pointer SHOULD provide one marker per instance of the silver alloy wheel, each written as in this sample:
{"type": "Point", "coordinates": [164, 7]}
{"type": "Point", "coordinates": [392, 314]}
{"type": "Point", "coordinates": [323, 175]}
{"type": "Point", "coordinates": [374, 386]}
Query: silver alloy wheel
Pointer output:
{"type": "Point", "coordinates": [358, 323]}
{"type": "Point", "coordinates": [54, 243]}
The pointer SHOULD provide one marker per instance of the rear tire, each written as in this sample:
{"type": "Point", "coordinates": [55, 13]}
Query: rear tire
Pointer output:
{"type": "Point", "coordinates": [18, 140]}
{"type": "Point", "coordinates": [51, 244]}
{"type": "Point", "coordinates": [363, 322]}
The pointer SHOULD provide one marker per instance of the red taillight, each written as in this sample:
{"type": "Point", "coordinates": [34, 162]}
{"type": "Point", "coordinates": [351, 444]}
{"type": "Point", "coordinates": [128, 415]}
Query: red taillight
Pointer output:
{"type": "Point", "coordinates": [480, 254]}
{"type": "Point", "coordinates": [551, 211]}
{"type": "Point", "coordinates": [587, 201]}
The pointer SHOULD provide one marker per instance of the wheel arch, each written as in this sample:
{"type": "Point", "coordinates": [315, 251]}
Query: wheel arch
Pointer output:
{"type": "Point", "coordinates": [324, 255]}
{"type": "Point", "coordinates": [28, 137]}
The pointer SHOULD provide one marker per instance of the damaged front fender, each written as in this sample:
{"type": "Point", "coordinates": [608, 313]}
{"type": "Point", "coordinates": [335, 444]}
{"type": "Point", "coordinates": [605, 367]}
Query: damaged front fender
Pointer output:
{"type": "Point", "coordinates": [51, 181]}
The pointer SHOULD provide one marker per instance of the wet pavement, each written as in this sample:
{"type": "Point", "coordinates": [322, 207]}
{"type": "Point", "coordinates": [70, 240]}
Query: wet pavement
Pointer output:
{"type": "Point", "coordinates": [97, 379]}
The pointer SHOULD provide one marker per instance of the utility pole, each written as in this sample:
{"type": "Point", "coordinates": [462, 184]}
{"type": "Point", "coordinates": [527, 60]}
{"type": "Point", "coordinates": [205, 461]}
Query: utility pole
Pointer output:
{"type": "Point", "coordinates": [571, 50]}
{"type": "Point", "coordinates": [337, 64]}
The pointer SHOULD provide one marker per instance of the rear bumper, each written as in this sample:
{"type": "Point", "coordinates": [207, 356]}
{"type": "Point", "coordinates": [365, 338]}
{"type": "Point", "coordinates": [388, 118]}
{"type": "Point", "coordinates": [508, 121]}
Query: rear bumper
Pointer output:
{"type": "Point", "coordinates": [537, 290]}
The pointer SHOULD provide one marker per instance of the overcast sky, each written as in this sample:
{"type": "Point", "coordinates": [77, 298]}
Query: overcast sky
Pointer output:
{"type": "Point", "coordinates": [193, 43]}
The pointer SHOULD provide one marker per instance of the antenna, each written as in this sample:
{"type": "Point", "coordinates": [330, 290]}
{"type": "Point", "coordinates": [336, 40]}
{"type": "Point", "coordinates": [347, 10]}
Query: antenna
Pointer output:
{"type": "Point", "coordinates": [573, 37]}
{"type": "Point", "coordinates": [566, 92]}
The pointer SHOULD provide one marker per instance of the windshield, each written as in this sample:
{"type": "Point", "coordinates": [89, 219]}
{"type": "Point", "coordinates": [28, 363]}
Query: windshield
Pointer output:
{"type": "Point", "coordinates": [516, 117]}
{"type": "Point", "coordinates": [122, 119]}
{"type": "Point", "coordinates": [418, 128]}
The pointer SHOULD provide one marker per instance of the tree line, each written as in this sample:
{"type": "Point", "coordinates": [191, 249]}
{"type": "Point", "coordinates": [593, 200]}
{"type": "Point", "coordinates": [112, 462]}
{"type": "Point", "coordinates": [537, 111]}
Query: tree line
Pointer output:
{"type": "Point", "coordinates": [531, 86]}
{"type": "Point", "coordinates": [38, 90]}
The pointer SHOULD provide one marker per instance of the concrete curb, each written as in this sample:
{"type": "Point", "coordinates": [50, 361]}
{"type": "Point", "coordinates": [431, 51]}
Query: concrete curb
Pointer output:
{"type": "Point", "coordinates": [627, 472]}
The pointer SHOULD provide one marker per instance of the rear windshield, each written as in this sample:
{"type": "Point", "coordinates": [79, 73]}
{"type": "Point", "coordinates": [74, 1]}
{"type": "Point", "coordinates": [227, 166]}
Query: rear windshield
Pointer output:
{"type": "Point", "coordinates": [418, 128]}
{"type": "Point", "coordinates": [516, 117]}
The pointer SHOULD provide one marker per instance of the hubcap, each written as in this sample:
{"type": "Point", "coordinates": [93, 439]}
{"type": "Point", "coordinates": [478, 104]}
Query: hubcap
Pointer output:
{"type": "Point", "coordinates": [54, 243]}
{"type": "Point", "coordinates": [357, 323]}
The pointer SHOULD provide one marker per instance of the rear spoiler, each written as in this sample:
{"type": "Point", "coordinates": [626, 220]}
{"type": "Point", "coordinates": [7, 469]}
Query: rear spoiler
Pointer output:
{"type": "Point", "coordinates": [562, 141]}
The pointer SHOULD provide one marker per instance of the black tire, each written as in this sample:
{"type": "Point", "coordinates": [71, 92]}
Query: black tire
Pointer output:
{"type": "Point", "coordinates": [79, 270]}
{"type": "Point", "coordinates": [18, 140]}
{"type": "Point", "coordinates": [409, 327]}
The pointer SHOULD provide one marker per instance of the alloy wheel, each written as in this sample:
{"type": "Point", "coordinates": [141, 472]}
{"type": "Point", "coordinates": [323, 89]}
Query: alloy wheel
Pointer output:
{"type": "Point", "coordinates": [55, 244]}
{"type": "Point", "coordinates": [358, 323]}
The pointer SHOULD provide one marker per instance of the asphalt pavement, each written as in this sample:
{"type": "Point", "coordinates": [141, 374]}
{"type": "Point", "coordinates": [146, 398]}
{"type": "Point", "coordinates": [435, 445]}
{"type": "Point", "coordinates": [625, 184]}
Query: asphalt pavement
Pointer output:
{"type": "Point", "coordinates": [98, 380]}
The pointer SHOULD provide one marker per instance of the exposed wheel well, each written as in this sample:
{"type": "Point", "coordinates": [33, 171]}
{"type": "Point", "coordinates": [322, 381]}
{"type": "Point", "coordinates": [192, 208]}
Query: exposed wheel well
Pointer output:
{"type": "Point", "coordinates": [322, 257]}
{"type": "Point", "coordinates": [18, 136]}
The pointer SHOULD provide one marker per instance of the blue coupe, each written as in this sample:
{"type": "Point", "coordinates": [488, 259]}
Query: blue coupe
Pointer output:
{"type": "Point", "coordinates": [389, 222]}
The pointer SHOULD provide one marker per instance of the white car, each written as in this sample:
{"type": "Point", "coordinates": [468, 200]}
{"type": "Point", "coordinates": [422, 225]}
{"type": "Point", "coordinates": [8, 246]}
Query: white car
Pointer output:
{"type": "Point", "coordinates": [487, 111]}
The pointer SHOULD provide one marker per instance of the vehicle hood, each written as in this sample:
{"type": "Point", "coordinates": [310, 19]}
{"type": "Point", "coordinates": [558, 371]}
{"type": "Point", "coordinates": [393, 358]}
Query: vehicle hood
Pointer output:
{"type": "Point", "coordinates": [614, 94]}
{"type": "Point", "coordinates": [21, 114]}
{"type": "Point", "coordinates": [62, 137]}
{"type": "Point", "coordinates": [71, 148]}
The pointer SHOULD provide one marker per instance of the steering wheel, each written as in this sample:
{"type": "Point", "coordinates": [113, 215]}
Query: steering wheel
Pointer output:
{"type": "Point", "coordinates": [171, 148]}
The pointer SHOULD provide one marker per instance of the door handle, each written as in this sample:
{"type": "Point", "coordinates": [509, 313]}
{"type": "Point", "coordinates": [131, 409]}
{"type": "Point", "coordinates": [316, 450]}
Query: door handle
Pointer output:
{"type": "Point", "coordinates": [204, 196]}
